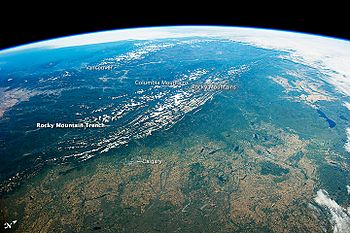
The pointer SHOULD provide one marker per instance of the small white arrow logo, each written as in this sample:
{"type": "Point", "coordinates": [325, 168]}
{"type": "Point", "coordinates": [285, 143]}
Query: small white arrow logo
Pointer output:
{"type": "Point", "coordinates": [9, 225]}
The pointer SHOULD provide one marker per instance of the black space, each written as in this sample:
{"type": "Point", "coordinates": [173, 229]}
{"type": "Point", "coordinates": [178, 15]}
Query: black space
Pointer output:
{"type": "Point", "coordinates": [34, 23]}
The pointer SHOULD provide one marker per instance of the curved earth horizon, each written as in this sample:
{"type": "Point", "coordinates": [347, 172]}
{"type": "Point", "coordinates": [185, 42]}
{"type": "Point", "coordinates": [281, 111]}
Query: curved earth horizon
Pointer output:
{"type": "Point", "coordinates": [176, 129]}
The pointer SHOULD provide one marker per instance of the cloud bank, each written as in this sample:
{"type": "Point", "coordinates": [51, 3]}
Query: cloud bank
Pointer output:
{"type": "Point", "coordinates": [339, 216]}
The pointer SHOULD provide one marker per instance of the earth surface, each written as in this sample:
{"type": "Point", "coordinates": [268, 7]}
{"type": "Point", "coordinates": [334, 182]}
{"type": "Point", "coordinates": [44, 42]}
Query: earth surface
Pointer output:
{"type": "Point", "coordinates": [176, 129]}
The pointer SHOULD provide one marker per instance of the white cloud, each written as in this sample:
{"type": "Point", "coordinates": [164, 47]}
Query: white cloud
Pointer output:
{"type": "Point", "coordinates": [330, 56]}
{"type": "Point", "coordinates": [339, 216]}
{"type": "Point", "coordinates": [347, 144]}
{"type": "Point", "coordinates": [347, 105]}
